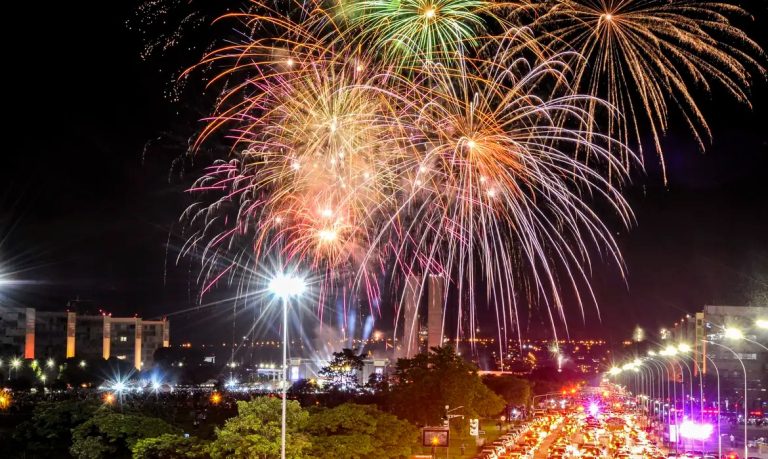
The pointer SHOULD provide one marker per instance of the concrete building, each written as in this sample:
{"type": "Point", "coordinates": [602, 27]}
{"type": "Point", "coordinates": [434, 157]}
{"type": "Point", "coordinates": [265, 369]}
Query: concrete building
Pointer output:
{"type": "Point", "coordinates": [435, 303]}
{"type": "Point", "coordinates": [12, 330]}
{"type": "Point", "coordinates": [41, 334]}
{"type": "Point", "coordinates": [409, 346]}
{"type": "Point", "coordinates": [704, 331]}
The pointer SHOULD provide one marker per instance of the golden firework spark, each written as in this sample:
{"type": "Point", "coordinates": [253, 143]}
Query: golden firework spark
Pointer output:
{"type": "Point", "coordinates": [645, 57]}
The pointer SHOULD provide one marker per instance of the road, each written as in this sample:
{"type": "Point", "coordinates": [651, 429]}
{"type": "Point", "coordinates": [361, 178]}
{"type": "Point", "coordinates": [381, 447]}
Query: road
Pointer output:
{"type": "Point", "coordinates": [542, 451]}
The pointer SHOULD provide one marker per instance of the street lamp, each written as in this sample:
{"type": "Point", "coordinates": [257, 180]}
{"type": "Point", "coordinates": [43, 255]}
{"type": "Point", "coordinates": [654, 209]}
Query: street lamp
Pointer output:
{"type": "Point", "coordinates": [733, 333]}
{"type": "Point", "coordinates": [285, 286]}
{"type": "Point", "coordinates": [15, 363]}
{"type": "Point", "coordinates": [744, 369]}
{"type": "Point", "coordinates": [762, 323]}
{"type": "Point", "coordinates": [738, 335]}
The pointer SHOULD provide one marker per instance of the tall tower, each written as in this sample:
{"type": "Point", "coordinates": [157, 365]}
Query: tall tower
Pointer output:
{"type": "Point", "coordinates": [435, 310]}
{"type": "Point", "coordinates": [410, 342]}
{"type": "Point", "coordinates": [29, 336]}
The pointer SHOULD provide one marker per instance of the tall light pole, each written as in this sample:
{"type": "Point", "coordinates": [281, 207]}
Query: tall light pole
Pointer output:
{"type": "Point", "coordinates": [746, 412]}
{"type": "Point", "coordinates": [284, 286]}
{"type": "Point", "coordinates": [719, 437]}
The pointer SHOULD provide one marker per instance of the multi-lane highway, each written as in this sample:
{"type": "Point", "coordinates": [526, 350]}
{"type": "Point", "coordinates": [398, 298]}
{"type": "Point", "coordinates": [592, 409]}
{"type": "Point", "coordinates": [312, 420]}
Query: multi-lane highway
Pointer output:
{"type": "Point", "coordinates": [586, 423]}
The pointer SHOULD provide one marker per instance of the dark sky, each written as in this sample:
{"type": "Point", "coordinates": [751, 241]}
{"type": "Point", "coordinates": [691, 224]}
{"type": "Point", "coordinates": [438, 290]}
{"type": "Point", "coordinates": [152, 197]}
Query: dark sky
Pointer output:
{"type": "Point", "coordinates": [90, 189]}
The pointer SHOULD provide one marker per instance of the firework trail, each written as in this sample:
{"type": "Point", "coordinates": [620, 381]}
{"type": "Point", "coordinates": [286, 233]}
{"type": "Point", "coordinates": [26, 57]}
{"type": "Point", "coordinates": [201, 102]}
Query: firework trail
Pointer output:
{"type": "Point", "coordinates": [378, 139]}
{"type": "Point", "coordinates": [646, 57]}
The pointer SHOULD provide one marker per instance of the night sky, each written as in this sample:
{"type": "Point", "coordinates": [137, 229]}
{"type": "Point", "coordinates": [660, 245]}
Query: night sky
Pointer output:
{"type": "Point", "coordinates": [92, 180]}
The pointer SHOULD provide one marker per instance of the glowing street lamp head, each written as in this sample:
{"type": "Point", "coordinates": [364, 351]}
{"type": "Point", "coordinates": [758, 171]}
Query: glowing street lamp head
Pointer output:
{"type": "Point", "coordinates": [119, 386]}
{"type": "Point", "coordinates": [762, 323]}
{"type": "Point", "coordinates": [652, 353]}
{"type": "Point", "coordinates": [733, 333]}
{"type": "Point", "coordinates": [614, 371]}
{"type": "Point", "coordinates": [286, 285]}
{"type": "Point", "coordinates": [684, 348]}
{"type": "Point", "coordinates": [671, 350]}
{"type": "Point", "coordinates": [15, 363]}
{"type": "Point", "coordinates": [50, 363]}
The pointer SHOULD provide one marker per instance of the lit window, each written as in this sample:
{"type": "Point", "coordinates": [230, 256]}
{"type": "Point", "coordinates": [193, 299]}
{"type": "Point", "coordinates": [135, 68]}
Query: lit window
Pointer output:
{"type": "Point", "coordinates": [123, 339]}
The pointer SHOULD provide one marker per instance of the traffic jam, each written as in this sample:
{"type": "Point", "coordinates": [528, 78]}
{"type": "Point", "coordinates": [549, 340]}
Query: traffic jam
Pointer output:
{"type": "Point", "coordinates": [590, 422]}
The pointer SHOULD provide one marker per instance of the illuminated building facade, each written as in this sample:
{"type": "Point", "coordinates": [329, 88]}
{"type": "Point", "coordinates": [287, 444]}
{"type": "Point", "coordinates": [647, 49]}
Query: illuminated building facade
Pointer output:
{"type": "Point", "coordinates": [410, 343]}
{"type": "Point", "coordinates": [435, 302]}
{"type": "Point", "coordinates": [704, 331]}
{"type": "Point", "coordinates": [42, 334]}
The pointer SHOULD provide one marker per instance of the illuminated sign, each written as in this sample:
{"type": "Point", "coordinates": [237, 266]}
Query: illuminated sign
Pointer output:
{"type": "Point", "coordinates": [435, 437]}
{"type": "Point", "coordinates": [695, 431]}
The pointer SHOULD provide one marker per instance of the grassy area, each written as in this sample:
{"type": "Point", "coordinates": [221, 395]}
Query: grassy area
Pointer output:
{"type": "Point", "coordinates": [454, 452]}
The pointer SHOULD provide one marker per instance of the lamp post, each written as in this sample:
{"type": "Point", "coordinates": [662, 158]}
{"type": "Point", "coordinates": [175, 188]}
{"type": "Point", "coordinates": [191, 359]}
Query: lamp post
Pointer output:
{"type": "Point", "coordinates": [661, 367]}
{"type": "Point", "coordinates": [744, 369]}
{"type": "Point", "coordinates": [717, 413]}
{"type": "Point", "coordinates": [284, 286]}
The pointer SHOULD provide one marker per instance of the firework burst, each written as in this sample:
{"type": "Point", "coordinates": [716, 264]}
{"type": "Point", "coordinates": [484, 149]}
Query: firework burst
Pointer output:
{"type": "Point", "coordinates": [409, 31]}
{"type": "Point", "coordinates": [647, 56]}
{"type": "Point", "coordinates": [370, 144]}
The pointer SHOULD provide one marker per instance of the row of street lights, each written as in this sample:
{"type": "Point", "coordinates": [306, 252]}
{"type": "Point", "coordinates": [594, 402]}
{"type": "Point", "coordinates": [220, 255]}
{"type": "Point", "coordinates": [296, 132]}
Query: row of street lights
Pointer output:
{"type": "Point", "coordinates": [657, 360]}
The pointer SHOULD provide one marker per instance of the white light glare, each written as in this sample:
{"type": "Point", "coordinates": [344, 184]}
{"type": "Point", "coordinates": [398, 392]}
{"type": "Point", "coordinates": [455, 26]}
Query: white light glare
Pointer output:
{"type": "Point", "coordinates": [286, 286]}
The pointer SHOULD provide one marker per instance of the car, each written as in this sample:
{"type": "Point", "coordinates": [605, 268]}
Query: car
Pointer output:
{"type": "Point", "coordinates": [499, 447]}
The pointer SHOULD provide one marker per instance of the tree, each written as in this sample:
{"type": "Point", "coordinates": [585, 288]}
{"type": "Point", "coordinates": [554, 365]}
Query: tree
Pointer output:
{"type": "Point", "coordinates": [342, 370]}
{"type": "Point", "coordinates": [255, 431]}
{"type": "Point", "coordinates": [169, 446]}
{"type": "Point", "coordinates": [114, 434]}
{"type": "Point", "coordinates": [516, 391]}
{"type": "Point", "coordinates": [360, 432]}
{"type": "Point", "coordinates": [431, 380]}
{"type": "Point", "coordinates": [305, 391]}
{"type": "Point", "coordinates": [49, 431]}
